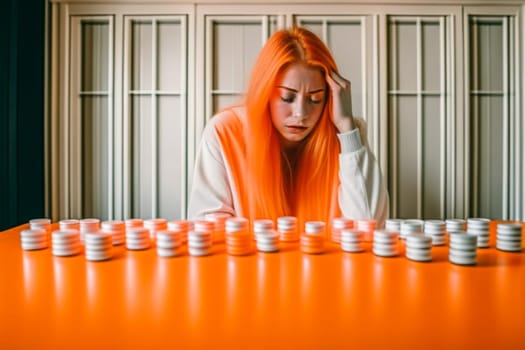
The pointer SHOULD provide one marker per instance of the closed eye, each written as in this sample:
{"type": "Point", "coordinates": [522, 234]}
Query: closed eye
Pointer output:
{"type": "Point", "coordinates": [287, 99]}
{"type": "Point", "coordinates": [317, 97]}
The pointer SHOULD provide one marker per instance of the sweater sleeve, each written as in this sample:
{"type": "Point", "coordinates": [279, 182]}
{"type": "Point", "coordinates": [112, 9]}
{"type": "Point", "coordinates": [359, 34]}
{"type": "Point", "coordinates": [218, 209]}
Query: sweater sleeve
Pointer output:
{"type": "Point", "coordinates": [362, 192]}
{"type": "Point", "coordinates": [210, 191]}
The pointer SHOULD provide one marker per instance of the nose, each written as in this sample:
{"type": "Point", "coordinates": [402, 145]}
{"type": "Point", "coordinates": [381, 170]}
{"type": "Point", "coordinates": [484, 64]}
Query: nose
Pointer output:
{"type": "Point", "coordinates": [300, 110]}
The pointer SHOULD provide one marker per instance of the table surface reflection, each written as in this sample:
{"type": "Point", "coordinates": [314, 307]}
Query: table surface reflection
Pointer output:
{"type": "Point", "coordinates": [283, 300]}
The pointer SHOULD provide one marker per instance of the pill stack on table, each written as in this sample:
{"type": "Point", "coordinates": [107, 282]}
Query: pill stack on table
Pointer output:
{"type": "Point", "coordinates": [418, 247]}
{"type": "Point", "coordinates": [410, 226]}
{"type": "Point", "coordinates": [367, 226]}
{"type": "Point", "coordinates": [339, 224]}
{"type": "Point", "coordinates": [34, 239]}
{"type": "Point", "coordinates": [44, 224]}
{"type": "Point", "coordinates": [456, 225]}
{"type": "Point", "coordinates": [509, 237]}
{"type": "Point", "coordinates": [90, 225]}
{"type": "Point", "coordinates": [481, 228]}
{"type": "Point", "coordinates": [169, 243]}
{"type": "Point", "coordinates": [200, 239]}
{"type": "Point", "coordinates": [219, 220]}
{"type": "Point", "coordinates": [385, 243]}
{"type": "Point", "coordinates": [265, 235]}
{"type": "Point", "coordinates": [181, 226]}
{"type": "Point", "coordinates": [393, 225]}
{"type": "Point", "coordinates": [437, 230]}
{"type": "Point", "coordinates": [238, 236]}
{"type": "Point", "coordinates": [98, 246]}
{"type": "Point", "coordinates": [117, 230]}
{"type": "Point", "coordinates": [69, 224]}
{"type": "Point", "coordinates": [155, 225]}
{"type": "Point", "coordinates": [287, 228]}
{"type": "Point", "coordinates": [352, 241]}
{"type": "Point", "coordinates": [130, 223]}
{"type": "Point", "coordinates": [66, 242]}
{"type": "Point", "coordinates": [137, 238]}
{"type": "Point", "coordinates": [462, 248]}
{"type": "Point", "coordinates": [313, 238]}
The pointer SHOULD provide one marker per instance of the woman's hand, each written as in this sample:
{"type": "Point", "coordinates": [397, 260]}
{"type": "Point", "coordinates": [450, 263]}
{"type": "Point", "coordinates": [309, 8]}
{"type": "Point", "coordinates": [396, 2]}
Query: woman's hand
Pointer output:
{"type": "Point", "coordinates": [341, 91]}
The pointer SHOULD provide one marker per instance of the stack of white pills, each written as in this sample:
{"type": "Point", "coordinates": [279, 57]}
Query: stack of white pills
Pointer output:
{"type": "Point", "coordinates": [386, 243]}
{"type": "Point", "coordinates": [69, 224]}
{"type": "Point", "coordinates": [352, 240]}
{"type": "Point", "coordinates": [219, 219]}
{"type": "Point", "coordinates": [312, 241]}
{"type": "Point", "coordinates": [66, 242]}
{"type": "Point", "coordinates": [130, 223]}
{"type": "Point", "coordinates": [367, 226]}
{"type": "Point", "coordinates": [455, 225]}
{"type": "Point", "coordinates": [44, 224]}
{"type": "Point", "coordinates": [437, 230]}
{"type": "Point", "coordinates": [90, 225]}
{"type": "Point", "coordinates": [266, 236]}
{"type": "Point", "coordinates": [238, 236]}
{"type": "Point", "coordinates": [99, 246]}
{"type": "Point", "coordinates": [462, 250]}
{"type": "Point", "coordinates": [410, 226]}
{"type": "Point", "coordinates": [509, 237]}
{"type": "Point", "coordinates": [117, 230]}
{"type": "Point", "coordinates": [287, 228]}
{"type": "Point", "coordinates": [481, 228]}
{"type": "Point", "coordinates": [393, 225]}
{"type": "Point", "coordinates": [200, 239]}
{"type": "Point", "coordinates": [34, 239]}
{"type": "Point", "coordinates": [155, 225]}
{"type": "Point", "coordinates": [137, 238]}
{"type": "Point", "coordinates": [181, 226]}
{"type": "Point", "coordinates": [169, 243]}
{"type": "Point", "coordinates": [418, 247]}
{"type": "Point", "coordinates": [339, 224]}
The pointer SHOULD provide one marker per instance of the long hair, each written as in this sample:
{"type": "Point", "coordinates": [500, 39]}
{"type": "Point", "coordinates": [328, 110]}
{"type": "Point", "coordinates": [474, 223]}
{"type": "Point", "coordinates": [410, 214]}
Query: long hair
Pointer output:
{"type": "Point", "coordinates": [316, 176]}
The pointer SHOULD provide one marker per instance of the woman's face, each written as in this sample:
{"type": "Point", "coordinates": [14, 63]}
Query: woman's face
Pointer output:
{"type": "Point", "coordinates": [297, 102]}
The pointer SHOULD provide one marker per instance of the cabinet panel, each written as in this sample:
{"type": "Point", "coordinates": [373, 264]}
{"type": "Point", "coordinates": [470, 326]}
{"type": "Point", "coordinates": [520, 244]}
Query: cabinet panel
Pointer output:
{"type": "Point", "coordinates": [95, 157]}
{"type": "Point", "coordinates": [491, 115]}
{"type": "Point", "coordinates": [404, 155]}
{"type": "Point", "coordinates": [91, 117]}
{"type": "Point", "coordinates": [142, 151]}
{"type": "Point", "coordinates": [158, 117]}
{"type": "Point", "coordinates": [418, 50]}
{"type": "Point", "coordinates": [171, 56]}
{"type": "Point", "coordinates": [171, 154]}
{"type": "Point", "coordinates": [433, 149]}
{"type": "Point", "coordinates": [141, 54]}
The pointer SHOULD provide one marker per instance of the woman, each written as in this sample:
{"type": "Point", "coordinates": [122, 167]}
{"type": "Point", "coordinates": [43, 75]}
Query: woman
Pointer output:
{"type": "Point", "coordinates": [293, 147]}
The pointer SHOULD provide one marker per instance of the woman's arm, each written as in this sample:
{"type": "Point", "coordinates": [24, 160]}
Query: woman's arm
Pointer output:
{"type": "Point", "coordinates": [210, 191]}
{"type": "Point", "coordinates": [362, 192]}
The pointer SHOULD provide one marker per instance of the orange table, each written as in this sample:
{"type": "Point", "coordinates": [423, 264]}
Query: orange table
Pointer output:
{"type": "Point", "coordinates": [280, 300]}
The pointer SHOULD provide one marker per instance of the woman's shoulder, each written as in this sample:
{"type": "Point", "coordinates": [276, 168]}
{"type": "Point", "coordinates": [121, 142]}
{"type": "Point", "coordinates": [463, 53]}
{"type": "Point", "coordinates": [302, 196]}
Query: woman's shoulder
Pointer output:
{"type": "Point", "coordinates": [228, 119]}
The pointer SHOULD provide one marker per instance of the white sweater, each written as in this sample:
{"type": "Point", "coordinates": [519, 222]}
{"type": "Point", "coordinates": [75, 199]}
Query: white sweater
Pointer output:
{"type": "Point", "coordinates": [362, 191]}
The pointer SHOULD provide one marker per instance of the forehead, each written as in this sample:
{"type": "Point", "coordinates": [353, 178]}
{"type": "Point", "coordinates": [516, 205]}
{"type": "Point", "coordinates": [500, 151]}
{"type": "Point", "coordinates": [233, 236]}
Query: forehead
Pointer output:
{"type": "Point", "coordinates": [299, 76]}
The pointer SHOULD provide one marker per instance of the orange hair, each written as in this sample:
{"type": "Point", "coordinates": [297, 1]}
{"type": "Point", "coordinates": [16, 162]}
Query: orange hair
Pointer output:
{"type": "Point", "coordinates": [316, 176]}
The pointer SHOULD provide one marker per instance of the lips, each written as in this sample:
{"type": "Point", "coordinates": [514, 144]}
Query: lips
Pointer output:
{"type": "Point", "coordinates": [296, 128]}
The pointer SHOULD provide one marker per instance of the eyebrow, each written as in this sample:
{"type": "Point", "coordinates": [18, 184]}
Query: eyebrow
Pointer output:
{"type": "Point", "coordinates": [294, 90]}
